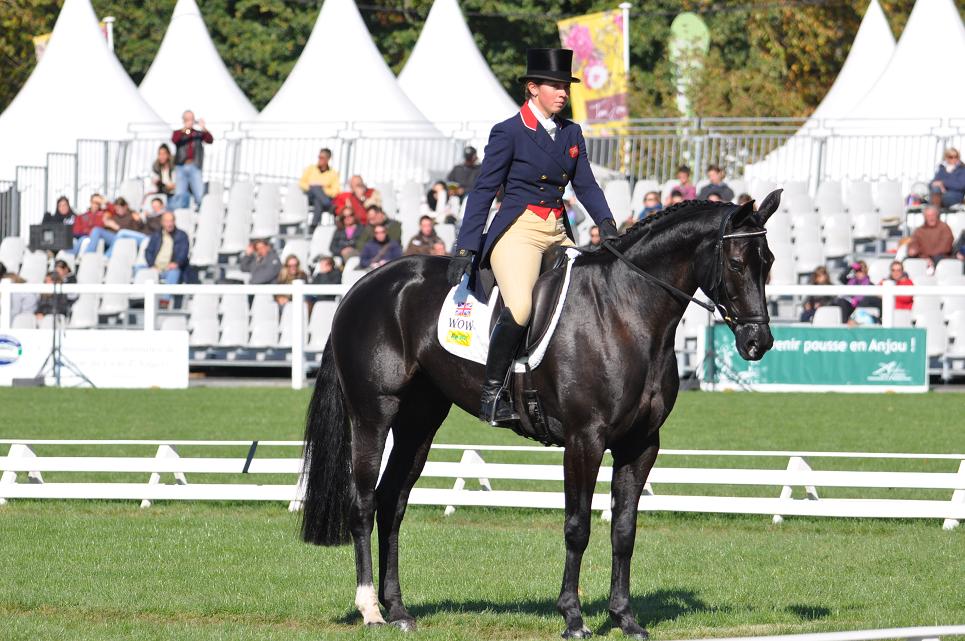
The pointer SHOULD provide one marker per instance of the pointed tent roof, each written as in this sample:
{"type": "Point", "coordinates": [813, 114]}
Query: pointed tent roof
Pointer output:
{"type": "Point", "coordinates": [50, 112]}
{"type": "Point", "coordinates": [870, 52]}
{"type": "Point", "coordinates": [446, 50]}
{"type": "Point", "coordinates": [209, 90]}
{"type": "Point", "coordinates": [933, 38]}
{"type": "Point", "coordinates": [322, 87]}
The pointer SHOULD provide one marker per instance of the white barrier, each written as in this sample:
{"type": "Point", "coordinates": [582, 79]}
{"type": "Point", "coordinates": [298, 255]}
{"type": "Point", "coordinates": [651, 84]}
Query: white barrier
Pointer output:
{"type": "Point", "coordinates": [924, 633]}
{"type": "Point", "coordinates": [798, 473]}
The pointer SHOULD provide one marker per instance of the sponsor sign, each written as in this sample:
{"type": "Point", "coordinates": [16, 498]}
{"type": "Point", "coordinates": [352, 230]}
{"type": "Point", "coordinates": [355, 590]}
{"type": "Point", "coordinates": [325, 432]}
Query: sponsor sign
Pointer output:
{"type": "Point", "coordinates": [597, 43]}
{"type": "Point", "coordinates": [849, 359]}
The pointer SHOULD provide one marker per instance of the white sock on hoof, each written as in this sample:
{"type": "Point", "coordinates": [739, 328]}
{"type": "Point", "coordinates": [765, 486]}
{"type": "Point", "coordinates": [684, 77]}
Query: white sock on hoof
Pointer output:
{"type": "Point", "coordinates": [368, 605]}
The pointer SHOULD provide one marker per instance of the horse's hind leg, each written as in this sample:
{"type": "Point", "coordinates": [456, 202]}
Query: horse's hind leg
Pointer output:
{"type": "Point", "coordinates": [369, 432]}
{"type": "Point", "coordinates": [631, 466]}
{"type": "Point", "coordinates": [422, 411]}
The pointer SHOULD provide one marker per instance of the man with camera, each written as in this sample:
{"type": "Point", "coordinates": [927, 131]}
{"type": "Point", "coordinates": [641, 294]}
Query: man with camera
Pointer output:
{"type": "Point", "coordinates": [189, 144]}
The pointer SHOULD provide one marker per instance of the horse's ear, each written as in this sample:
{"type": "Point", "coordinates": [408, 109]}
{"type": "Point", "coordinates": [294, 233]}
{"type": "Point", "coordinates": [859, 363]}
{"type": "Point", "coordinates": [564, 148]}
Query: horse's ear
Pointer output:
{"type": "Point", "coordinates": [743, 215]}
{"type": "Point", "coordinates": [769, 205]}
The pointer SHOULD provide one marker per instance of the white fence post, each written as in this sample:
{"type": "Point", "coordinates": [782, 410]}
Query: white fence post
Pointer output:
{"type": "Point", "coordinates": [796, 464]}
{"type": "Point", "coordinates": [888, 304]}
{"type": "Point", "coordinates": [958, 496]}
{"type": "Point", "coordinates": [298, 335]}
{"type": "Point", "coordinates": [150, 307]}
{"type": "Point", "coordinates": [19, 450]}
{"type": "Point", "coordinates": [469, 457]}
{"type": "Point", "coordinates": [163, 452]}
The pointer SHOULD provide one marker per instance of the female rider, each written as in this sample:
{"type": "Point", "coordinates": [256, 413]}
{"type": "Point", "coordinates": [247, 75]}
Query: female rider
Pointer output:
{"type": "Point", "coordinates": [533, 156]}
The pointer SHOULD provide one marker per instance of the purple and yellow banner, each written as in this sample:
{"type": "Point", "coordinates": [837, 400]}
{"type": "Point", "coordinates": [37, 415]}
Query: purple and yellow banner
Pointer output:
{"type": "Point", "coordinates": [597, 43]}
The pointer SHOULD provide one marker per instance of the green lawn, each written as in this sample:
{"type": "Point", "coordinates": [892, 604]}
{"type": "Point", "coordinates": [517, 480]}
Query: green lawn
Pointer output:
{"type": "Point", "coordinates": [97, 570]}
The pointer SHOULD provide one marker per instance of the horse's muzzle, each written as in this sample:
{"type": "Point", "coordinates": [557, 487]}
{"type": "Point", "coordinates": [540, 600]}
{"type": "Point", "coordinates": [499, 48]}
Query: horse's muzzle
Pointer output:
{"type": "Point", "coordinates": [753, 340]}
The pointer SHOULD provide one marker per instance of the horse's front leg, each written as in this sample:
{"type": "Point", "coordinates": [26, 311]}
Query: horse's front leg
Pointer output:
{"type": "Point", "coordinates": [581, 463]}
{"type": "Point", "coordinates": [631, 466]}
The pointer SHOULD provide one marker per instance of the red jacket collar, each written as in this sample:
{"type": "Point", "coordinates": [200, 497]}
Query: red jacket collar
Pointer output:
{"type": "Point", "coordinates": [529, 118]}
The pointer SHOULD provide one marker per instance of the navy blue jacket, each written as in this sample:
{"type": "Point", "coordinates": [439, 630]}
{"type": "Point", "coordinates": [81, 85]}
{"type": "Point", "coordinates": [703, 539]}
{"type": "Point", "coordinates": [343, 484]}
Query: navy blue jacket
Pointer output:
{"type": "Point", "coordinates": [954, 182]}
{"type": "Point", "coordinates": [534, 169]}
{"type": "Point", "coordinates": [180, 253]}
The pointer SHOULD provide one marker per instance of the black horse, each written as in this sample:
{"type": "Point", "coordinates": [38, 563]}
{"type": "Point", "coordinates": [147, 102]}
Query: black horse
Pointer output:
{"type": "Point", "coordinates": [608, 381]}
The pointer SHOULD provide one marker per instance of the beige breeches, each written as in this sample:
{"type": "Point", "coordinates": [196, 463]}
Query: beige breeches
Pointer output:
{"type": "Point", "coordinates": [517, 259]}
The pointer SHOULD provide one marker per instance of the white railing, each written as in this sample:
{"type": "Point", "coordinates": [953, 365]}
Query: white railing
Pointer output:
{"type": "Point", "coordinates": [799, 472]}
{"type": "Point", "coordinates": [298, 291]}
{"type": "Point", "coordinates": [922, 633]}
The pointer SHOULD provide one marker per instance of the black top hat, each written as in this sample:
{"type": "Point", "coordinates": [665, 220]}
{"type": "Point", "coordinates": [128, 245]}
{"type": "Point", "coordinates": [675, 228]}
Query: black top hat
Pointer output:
{"type": "Point", "coordinates": [549, 64]}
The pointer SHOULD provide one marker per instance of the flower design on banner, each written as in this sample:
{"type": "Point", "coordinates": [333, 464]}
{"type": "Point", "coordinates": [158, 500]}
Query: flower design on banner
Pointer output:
{"type": "Point", "coordinates": [595, 76]}
{"type": "Point", "coordinates": [578, 39]}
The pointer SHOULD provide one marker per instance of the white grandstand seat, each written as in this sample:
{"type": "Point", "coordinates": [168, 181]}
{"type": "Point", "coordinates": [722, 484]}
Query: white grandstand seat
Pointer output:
{"type": "Point", "coordinates": [955, 333]}
{"type": "Point", "coordinates": [83, 313]}
{"type": "Point", "coordinates": [758, 189]}
{"type": "Point", "coordinates": [739, 186]}
{"type": "Point", "coordinates": [952, 305]}
{"type": "Point", "coordinates": [867, 225]}
{"type": "Point", "coordinates": [124, 252]}
{"type": "Point", "coordinates": [90, 270]}
{"type": "Point", "coordinates": [204, 253]}
{"type": "Point", "coordinates": [203, 307]}
{"type": "Point", "coordinates": [11, 253]}
{"type": "Point", "coordinates": [956, 220]}
{"type": "Point", "coordinates": [285, 325]}
{"type": "Point", "coordinates": [782, 271]}
{"type": "Point", "coordinates": [879, 269]}
{"type": "Point", "coordinates": [617, 194]}
{"type": "Point", "coordinates": [793, 188]}
{"type": "Point", "coordinates": [172, 323]}
{"type": "Point", "coordinates": [144, 275]}
{"type": "Point", "coordinates": [352, 276]}
{"type": "Point", "coordinates": [807, 257]}
{"type": "Point", "coordinates": [390, 204]}
{"type": "Point", "coordinates": [34, 266]}
{"type": "Point", "coordinates": [828, 200]}
{"type": "Point", "coordinates": [204, 331]}
{"type": "Point", "coordinates": [888, 200]}
{"type": "Point", "coordinates": [233, 306]}
{"type": "Point", "coordinates": [118, 273]}
{"type": "Point", "coordinates": [798, 203]}
{"type": "Point", "coordinates": [82, 248]}
{"type": "Point", "coordinates": [902, 318]}
{"type": "Point", "coordinates": [237, 222]}
{"type": "Point", "coordinates": [858, 197]}
{"type": "Point", "coordinates": [916, 268]}
{"type": "Point", "coordinates": [640, 189]}
{"type": "Point", "coordinates": [132, 190]}
{"type": "Point", "coordinates": [410, 201]}
{"type": "Point", "coordinates": [47, 322]}
{"type": "Point", "coordinates": [24, 320]}
{"type": "Point", "coordinates": [837, 236]}
{"type": "Point", "coordinates": [447, 232]}
{"type": "Point", "coordinates": [927, 306]}
{"type": "Point", "coordinates": [779, 228]}
{"type": "Point", "coordinates": [264, 324]}
{"type": "Point", "coordinates": [267, 211]}
{"type": "Point", "coordinates": [827, 316]}
{"type": "Point", "coordinates": [321, 241]}
{"type": "Point", "coordinates": [805, 228]}
{"type": "Point", "coordinates": [234, 332]}
{"type": "Point", "coordinates": [935, 339]}
{"type": "Point", "coordinates": [215, 190]}
{"type": "Point", "coordinates": [295, 208]}
{"type": "Point", "coordinates": [948, 271]}
{"type": "Point", "coordinates": [351, 264]}
{"type": "Point", "coordinates": [298, 247]}
{"type": "Point", "coordinates": [186, 221]}
{"type": "Point", "coordinates": [320, 324]}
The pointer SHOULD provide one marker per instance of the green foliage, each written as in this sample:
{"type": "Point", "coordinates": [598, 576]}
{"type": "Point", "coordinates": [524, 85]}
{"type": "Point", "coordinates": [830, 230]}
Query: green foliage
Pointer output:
{"type": "Point", "coordinates": [775, 59]}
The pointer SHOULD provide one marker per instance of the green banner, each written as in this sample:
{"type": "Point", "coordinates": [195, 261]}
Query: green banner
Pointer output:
{"type": "Point", "coordinates": [850, 359]}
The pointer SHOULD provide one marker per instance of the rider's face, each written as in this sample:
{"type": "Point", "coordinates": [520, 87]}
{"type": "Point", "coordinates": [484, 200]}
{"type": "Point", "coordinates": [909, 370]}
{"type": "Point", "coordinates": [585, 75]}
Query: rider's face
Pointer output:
{"type": "Point", "coordinates": [550, 96]}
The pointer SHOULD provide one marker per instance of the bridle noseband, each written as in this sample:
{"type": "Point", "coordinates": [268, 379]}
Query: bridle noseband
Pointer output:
{"type": "Point", "coordinates": [718, 291]}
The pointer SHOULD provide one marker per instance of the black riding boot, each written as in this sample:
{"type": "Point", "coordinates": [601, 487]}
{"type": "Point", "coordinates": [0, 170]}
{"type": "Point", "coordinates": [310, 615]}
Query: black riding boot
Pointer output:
{"type": "Point", "coordinates": [497, 403]}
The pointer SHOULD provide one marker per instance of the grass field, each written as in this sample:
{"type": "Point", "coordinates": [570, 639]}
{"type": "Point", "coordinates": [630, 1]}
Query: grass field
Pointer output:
{"type": "Point", "coordinates": [97, 570]}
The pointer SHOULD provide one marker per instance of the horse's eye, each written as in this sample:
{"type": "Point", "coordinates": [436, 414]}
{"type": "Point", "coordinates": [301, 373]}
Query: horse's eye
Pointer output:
{"type": "Point", "coordinates": [736, 265]}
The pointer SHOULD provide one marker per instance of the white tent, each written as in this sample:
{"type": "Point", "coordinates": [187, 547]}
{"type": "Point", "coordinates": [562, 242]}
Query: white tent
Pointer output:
{"type": "Point", "coordinates": [921, 78]}
{"type": "Point", "coordinates": [188, 73]}
{"type": "Point", "coordinates": [341, 76]}
{"type": "Point", "coordinates": [867, 59]}
{"type": "Point", "coordinates": [446, 53]}
{"type": "Point", "coordinates": [78, 90]}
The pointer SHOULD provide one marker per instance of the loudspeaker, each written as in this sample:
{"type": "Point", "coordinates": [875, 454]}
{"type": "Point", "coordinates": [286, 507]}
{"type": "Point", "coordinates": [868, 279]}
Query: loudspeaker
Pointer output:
{"type": "Point", "coordinates": [51, 237]}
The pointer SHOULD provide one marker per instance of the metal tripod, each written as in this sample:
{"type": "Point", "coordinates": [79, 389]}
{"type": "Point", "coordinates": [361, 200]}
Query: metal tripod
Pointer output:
{"type": "Point", "coordinates": [56, 361]}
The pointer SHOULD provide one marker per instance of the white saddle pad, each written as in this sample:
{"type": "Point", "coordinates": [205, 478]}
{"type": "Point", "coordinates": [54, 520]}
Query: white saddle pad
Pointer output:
{"type": "Point", "coordinates": [464, 322]}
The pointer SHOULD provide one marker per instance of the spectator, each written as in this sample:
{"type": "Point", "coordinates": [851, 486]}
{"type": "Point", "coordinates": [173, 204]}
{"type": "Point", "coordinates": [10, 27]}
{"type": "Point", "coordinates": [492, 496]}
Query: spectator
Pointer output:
{"type": "Point", "coordinates": [651, 204]}
{"type": "Point", "coordinates": [327, 274]}
{"type": "Point", "coordinates": [380, 250]}
{"type": "Point", "coordinates": [743, 199]}
{"type": "Point", "coordinates": [321, 184]}
{"type": "Point", "coordinates": [52, 303]}
{"type": "Point", "coordinates": [152, 215]}
{"type": "Point", "coordinates": [933, 240]}
{"type": "Point", "coordinates": [439, 249]}
{"type": "Point", "coordinates": [291, 272]}
{"type": "Point", "coordinates": [359, 196]}
{"type": "Point", "coordinates": [594, 243]}
{"type": "Point", "coordinates": [162, 173]}
{"type": "Point", "coordinates": [421, 243]}
{"type": "Point", "coordinates": [120, 219]}
{"type": "Point", "coordinates": [87, 222]}
{"type": "Point", "coordinates": [63, 213]}
{"type": "Point", "coordinates": [20, 303]}
{"type": "Point", "coordinates": [189, 161]}
{"type": "Point", "coordinates": [261, 261]}
{"type": "Point", "coordinates": [682, 185]}
{"type": "Point", "coordinates": [167, 251]}
{"type": "Point", "coordinates": [897, 276]}
{"type": "Point", "coordinates": [64, 272]}
{"type": "Point", "coordinates": [438, 204]}
{"type": "Point", "coordinates": [346, 236]}
{"type": "Point", "coordinates": [856, 275]}
{"type": "Point", "coordinates": [464, 174]}
{"type": "Point", "coordinates": [377, 217]}
{"type": "Point", "coordinates": [948, 185]}
{"type": "Point", "coordinates": [820, 276]}
{"type": "Point", "coordinates": [714, 197]}
{"type": "Point", "coordinates": [716, 186]}
{"type": "Point", "coordinates": [676, 197]}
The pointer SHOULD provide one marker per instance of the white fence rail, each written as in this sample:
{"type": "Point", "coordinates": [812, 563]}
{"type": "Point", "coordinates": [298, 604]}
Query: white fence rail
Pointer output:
{"type": "Point", "coordinates": [924, 633]}
{"type": "Point", "coordinates": [798, 473]}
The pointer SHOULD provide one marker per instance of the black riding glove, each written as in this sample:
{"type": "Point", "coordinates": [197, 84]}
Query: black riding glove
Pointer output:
{"type": "Point", "coordinates": [608, 229]}
{"type": "Point", "coordinates": [459, 265]}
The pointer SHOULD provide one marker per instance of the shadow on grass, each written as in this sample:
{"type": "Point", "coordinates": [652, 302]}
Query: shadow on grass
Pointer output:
{"type": "Point", "coordinates": [809, 612]}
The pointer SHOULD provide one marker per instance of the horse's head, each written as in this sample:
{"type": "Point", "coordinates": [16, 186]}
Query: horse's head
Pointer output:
{"type": "Point", "coordinates": [732, 269]}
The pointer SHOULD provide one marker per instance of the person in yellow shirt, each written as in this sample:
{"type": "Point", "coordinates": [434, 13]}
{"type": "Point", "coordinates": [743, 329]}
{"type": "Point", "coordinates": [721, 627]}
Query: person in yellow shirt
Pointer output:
{"type": "Point", "coordinates": [320, 183]}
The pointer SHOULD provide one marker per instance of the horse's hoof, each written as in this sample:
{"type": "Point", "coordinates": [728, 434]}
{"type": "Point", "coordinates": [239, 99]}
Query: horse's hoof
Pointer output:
{"type": "Point", "coordinates": [374, 624]}
{"type": "Point", "coordinates": [406, 625]}
{"type": "Point", "coordinates": [583, 633]}
{"type": "Point", "coordinates": [638, 633]}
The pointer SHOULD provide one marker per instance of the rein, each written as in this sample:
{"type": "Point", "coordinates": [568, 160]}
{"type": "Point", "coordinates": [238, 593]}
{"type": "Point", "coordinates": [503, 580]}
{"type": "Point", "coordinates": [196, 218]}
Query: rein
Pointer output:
{"type": "Point", "coordinates": [718, 280]}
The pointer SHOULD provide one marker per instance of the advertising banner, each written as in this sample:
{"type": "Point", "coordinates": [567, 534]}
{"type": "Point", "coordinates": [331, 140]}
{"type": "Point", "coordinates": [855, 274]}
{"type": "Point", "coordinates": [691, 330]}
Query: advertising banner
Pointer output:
{"type": "Point", "coordinates": [597, 43]}
{"type": "Point", "coordinates": [804, 358]}
{"type": "Point", "coordinates": [108, 357]}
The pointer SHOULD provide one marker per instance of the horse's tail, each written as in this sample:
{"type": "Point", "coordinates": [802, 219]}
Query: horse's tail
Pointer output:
{"type": "Point", "coordinates": [328, 452]}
